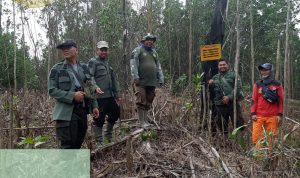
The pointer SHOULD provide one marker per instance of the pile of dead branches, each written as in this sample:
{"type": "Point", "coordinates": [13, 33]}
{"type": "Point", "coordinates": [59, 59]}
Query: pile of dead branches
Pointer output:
{"type": "Point", "coordinates": [184, 149]}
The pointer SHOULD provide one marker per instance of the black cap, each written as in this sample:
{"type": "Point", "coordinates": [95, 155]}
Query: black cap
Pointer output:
{"type": "Point", "coordinates": [67, 43]}
{"type": "Point", "coordinates": [267, 66]}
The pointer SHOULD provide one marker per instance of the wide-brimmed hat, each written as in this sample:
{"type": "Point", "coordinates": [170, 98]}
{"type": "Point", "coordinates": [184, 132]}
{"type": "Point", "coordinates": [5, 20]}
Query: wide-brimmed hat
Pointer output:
{"type": "Point", "coordinates": [148, 36]}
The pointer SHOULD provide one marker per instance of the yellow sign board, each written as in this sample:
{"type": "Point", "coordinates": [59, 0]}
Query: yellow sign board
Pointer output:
{"type": "Point", "coordinates": [210, 52]}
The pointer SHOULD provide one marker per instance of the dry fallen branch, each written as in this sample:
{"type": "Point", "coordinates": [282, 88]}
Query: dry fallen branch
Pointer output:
{"type": "Point", "coordinates": [99, 150]}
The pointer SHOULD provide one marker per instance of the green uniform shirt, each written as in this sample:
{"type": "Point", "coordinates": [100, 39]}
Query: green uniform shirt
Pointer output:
{"type": "Point", "coordinates": [224, 86]}
{"type": "Point", "coordinates": [103, 76]}
{"type": "Point", "coordinates": [147, 68]}
{"type": "Point", "coordinates": [61, 87]}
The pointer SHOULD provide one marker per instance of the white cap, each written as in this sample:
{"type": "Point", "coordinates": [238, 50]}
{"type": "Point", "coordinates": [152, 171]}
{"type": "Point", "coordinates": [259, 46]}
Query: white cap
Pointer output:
{"type": "Point", "coordinates": [102, 44]}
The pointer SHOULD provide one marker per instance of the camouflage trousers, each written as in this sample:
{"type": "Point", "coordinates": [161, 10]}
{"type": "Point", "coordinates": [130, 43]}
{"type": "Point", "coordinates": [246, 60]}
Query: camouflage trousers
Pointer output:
{"type": "Point", "coordinates": [144, 96]}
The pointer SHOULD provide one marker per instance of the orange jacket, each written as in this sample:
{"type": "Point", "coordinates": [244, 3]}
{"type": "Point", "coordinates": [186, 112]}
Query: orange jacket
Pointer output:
{"type": "Point", "coordinates": [261, 107]}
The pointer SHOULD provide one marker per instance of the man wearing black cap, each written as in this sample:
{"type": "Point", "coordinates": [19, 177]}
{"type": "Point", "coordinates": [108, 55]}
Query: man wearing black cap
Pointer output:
{"type": "Point", "coordinates": [267, 107]}
{"type": "Point", "coordinates": [107, 88]}
{"type": "Point", "coordinates": [65, 85]}
{"type": "Point", "coordinates": [146, 73]}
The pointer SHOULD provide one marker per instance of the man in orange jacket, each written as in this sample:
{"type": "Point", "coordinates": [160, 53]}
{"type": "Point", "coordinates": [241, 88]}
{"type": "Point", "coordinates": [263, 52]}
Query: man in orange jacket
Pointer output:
{"type": "Point", "coordinates": [267, 107]}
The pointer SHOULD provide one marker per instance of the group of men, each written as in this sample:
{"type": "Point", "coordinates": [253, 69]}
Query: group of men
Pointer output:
{"type": "Point", "coordinates": [267, 103]}
{"type": "Point", "coordinates": [80, 89]}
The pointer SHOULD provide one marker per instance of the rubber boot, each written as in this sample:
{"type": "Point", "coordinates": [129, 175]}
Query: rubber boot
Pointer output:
{"type": "Point", "coordinates": [147, 118]}
{"type": "Point", "coordinates": [108, 132]}
{"type": "Point", "coordinates": [97, 134]}
{"type": "Point", "coordinates": [142, 117]}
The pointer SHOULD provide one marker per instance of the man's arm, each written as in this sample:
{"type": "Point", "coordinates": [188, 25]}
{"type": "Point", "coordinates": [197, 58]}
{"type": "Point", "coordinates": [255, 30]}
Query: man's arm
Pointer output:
{"type": "Point", "coordinates": [254, 100]}
{"type": "Point", "coordinates": [134, 62]}
{"type": "Point", "coordinates": [280, 101]}
{"type": "Point", "coordinates": [92, 70]}
{"type": "Point", "coordinates": [160, 73]}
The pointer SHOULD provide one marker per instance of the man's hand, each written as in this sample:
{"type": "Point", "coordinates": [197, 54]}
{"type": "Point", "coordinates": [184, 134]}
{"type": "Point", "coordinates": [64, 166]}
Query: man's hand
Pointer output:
{"type": "Point", "coordinates": [279, 120]}
{"type": "Point", "coordinates": [118, 101]}
{"type": "Point", "coordinates": [253, 117]}
{"type": "Point", "coordinates": [79, 96]}
{"type": "Point", "coordinates": [225, 99]}
{"type": "Point", "coordinates": [210, 82]}
{"type": "Point", "coordinates": [136, 81]}
{"type": "Point", "coordinates": [98, 90]}
{"type": "Point", "coordinates": [95, 113]}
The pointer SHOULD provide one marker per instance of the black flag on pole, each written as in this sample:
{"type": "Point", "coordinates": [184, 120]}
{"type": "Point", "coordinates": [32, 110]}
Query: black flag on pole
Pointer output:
{"type": "Point", "coordinates": [215, 36]}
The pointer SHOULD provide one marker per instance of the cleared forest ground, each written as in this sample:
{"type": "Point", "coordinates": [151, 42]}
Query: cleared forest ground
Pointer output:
{"type": "Point", "coordinates": [178, 144]}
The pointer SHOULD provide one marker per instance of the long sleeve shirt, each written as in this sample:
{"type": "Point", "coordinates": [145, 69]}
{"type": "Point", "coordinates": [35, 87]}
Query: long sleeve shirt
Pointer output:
{"type": "Point", "coordinates": [261, 107]}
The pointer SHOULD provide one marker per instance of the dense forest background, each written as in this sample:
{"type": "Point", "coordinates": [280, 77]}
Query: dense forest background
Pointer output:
{"type": "Point", "coordinates": [177, 25]}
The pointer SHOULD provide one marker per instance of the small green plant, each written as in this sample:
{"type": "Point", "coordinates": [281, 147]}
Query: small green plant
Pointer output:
{"type": "Point", "coordinates": [188, 105]}
{"type": "Point", "coordinates": [180, 84]}
{"type": "Point", "coordinates": [263, 146]}
{"type": "Point", "coordinates": [197, 81]}
{"type": "Point", "coordinates": [29, 142]}
{"type": "Point", "coordinates": [149, 135]}
{"type": "Point", "coordinates": [106, 141]}
{"type": "Point", "coordinates": [235, 133]}
{"type": "Point", "coordinates": [125, 129]}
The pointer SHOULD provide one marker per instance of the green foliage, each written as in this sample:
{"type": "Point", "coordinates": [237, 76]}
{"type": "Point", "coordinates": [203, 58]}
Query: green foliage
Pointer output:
{"type": "Point", "coordinates": [125, 129]}
{"type": "Point", "coordinates": [235, 135]}
{"type": "Point", "coordinates": [197, 81]}
{"type": "Point", "coordinates": [30, 142]}
{"type": "Point", "coordinates": [106, 141]}
{"type": "Point", "coordinates": [180, 84]}
{"type": "Point", "coordinates": [263, 150]}
{"type": "Point", "coordinates": [23, 63]}
{"type": "Point", "coordinates": [149, 135]}
{"type": "Point", "coordinates": [188, 105]}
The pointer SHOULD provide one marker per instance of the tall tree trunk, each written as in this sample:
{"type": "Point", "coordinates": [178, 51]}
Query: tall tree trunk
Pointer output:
{"type": "Point", "coordinates": [169, 49]}
{"type": "Point", "coordinates": [190, 44]}
{"type": "Point", "coordinates": [252, 46]}
{"type": "Point", "coordinates": [286, 63]}
{"type": "Point", "coordinates": [149, 16]}
{"type": "Point", "coordinates": [290, 92]}
{"type": "Point", "coordinates": [15, 49]}
{"type": "Point", "coordinates": [0, 17]}
{"type": "Point", "coordinates": [125, 33]}
{"type": "Point", "coordinates": [179, 58]}
{"type": "Point", "coordinates": [237, 60]}
{"type": "Point", "coordinates": [277, 72]}
{"type": "Point", "coordinates": [10, 102]}
{"type": "Point", "coordinates": [226, 11]}
{"type": "Point", "coordinates": [24, 47]}
{"type": "Point", "coordinates": [95, 21]}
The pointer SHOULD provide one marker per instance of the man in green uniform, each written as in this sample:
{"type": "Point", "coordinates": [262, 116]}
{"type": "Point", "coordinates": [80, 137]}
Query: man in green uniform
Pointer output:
{"type": "Point", "coordinates": [223, 85]}
{"type": "Point", "coordinates": [147, 74]}
{"type": "Point", "coordinates": [104, 78]}
{"type": "Point", "coordinates": [65, 85]}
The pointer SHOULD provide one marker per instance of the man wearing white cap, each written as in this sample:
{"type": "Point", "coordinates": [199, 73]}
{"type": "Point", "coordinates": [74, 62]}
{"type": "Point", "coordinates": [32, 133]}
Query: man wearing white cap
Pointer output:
{"type": "Point", "coordinates": [107, 87]}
